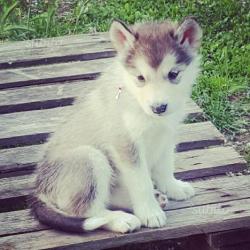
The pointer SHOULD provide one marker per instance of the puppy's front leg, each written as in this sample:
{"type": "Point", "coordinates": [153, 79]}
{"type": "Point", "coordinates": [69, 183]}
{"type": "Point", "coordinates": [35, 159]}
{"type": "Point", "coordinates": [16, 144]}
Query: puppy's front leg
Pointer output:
{"type": "Point", "coordinates": [139, 185]}
{"type": "Point", "coordinates": [163, 176]}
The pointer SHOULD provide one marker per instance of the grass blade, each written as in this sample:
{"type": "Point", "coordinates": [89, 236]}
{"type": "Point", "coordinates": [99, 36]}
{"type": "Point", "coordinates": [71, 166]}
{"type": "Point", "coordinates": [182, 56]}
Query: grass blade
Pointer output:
{"type": "Point", "coordinates": [7, 13]}
{"type": "Point", "coordinates": [18, 27]}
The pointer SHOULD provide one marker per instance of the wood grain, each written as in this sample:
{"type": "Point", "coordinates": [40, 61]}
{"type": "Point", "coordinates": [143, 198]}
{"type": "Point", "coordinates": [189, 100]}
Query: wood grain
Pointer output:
{"type": "Point", "coordinates": [221, 191]}
{"type": "Point", "coordinates": [22, 185]}
{"type": "Point", "coordinates": [190, 164]}
{"type": "Point", "coordinates": [18, 221]}
{"type": "Point", "coordinates": [227, 238]}
{"type": "Point", "coordinates": [27, 83]}
{"type": "Point", "coordinates": [53, 95]}
{"type": "Point", "coordinates": [55, 42]}
{"type": "Point", "coordinates": [33, 127]}
{"type": "Point", "coordinates": [43, 93]}
{"type": "Point", "coordinates": [38, 52]}
{"type": "Point", "coordinates": [208, 162]}
{"type": "Point", "coordinates": [221, 203]}
{"type": "Point", "coordinates": [181, 222]}
{"type": "Point", "coordinates": [44, 74]}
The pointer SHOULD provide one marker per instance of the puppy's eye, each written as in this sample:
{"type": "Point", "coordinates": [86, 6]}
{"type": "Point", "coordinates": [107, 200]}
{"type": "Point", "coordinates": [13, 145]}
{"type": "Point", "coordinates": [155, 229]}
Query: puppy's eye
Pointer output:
{"type": "Point", "coordinates": [172, 75]}
{"type": "Point", "coordinates": [141, 78]}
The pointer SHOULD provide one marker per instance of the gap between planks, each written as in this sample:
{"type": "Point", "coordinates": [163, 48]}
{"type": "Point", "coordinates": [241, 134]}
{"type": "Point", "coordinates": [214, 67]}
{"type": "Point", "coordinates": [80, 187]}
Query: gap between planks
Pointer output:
{"type": "Point", "coordinates": [33, 127]}
{"type": "Point", "coordinates": [223, 158]}
{"type": "Point", "coordinates": [192, 136]}
{"type": "Point", "coordinates": [68, 51]}
{"type": "Point", "coordinates": [76, 75]}
{"type": "Point", "coordinates": [190, 165]}
{"type": "Point", "coordinates": [12, 78]}
{"type": "Point", "coordinates": [221, 192]}
{"type": "Point", "coordinates": [203, 219]}
{"type": "Point", "coordinates": [51, 96]}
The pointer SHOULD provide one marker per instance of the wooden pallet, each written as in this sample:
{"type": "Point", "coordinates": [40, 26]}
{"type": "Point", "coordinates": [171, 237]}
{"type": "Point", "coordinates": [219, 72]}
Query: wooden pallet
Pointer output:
{"type": "Point", "coordinates": [38, 82]}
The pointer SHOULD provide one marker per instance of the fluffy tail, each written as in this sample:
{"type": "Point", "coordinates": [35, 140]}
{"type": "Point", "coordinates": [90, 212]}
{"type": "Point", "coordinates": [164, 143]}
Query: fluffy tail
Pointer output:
{"type": "Point", "coordinates": [52, 217]}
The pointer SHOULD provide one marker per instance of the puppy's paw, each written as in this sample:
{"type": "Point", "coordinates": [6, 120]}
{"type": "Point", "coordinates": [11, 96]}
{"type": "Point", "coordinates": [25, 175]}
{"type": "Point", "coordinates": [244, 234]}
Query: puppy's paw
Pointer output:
{"type": "Point", "coordinates": [152, 217]}
{"type": "Point", "coordinates": [179, 190]}
{"type": "Point", "coordinates": [122, 222]}
{"type": "Point", "coordinates": [161, 198]}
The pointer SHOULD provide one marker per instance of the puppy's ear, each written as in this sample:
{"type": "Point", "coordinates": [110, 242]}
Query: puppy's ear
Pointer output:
{"type": "Point", "coordinates": [121, 36]}
{"type": "Point", "coordinates": [189, 33]}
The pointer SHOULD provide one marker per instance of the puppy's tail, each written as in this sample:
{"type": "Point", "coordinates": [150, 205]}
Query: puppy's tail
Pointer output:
{"type": "Point", "coordinates": [54, 218]}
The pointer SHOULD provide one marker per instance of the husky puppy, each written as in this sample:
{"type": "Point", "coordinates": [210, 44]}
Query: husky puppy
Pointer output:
{"type": "Point", "coordinates": [101, 164]}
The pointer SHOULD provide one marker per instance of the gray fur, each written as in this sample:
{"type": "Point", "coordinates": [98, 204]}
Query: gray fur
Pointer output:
{"type": "Point", "coordinates": [47, 173]}
{"type": "Point", "coordinates": [183, 57]}
{"type": "Point", "coordinates": [82, 200]}
{"type": "Point", "coordinates": [50, 176]}
{"type": "Point", "coordinates": [146, 36]}
{"type": "Point", "coordinates": [133, 153]}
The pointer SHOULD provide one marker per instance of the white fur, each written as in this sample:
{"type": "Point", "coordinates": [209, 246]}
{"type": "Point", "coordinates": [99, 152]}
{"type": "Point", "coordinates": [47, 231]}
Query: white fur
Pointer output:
{"type": "Point", "coordinates": [100, 121]}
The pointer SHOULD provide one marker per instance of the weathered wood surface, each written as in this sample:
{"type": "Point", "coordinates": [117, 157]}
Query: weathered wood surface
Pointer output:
{"type": "Point", "coordinates": [27, 83]}
{"type": "Point", "coordinates": [208, 191]}
{"type": "Point", "coordinates": [33, 127]}
{"type": "Point", "coordinates": [181, 222]}
{"type": "Point", "coordinates": [54, 42]}
{"type": "Point", "coordinates": [42, 93]}
{"type": "Point", "coordinates": [228, 238]}
{"type": "Point", "coordinates": [45, 74]}
{"type": "Point", "coordinates": [190, 164]}
{"type": "Point", "coordinates": [21, 185]}
{"type": "Point", "coordinates": [208, 162]}
{"type": "Point", "coordinates": [51, 96]}
{"type": "Point", "coordinates": [239, 246]}
{"type": "Point", "coordinates": [18, 222]}
{"type": "Point", "coordinates": [55, 51]}
{"type": "Point", "coordinates": [16, 186]}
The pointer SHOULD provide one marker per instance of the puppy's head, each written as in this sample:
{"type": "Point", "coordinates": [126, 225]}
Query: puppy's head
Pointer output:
{"type": "Point", "coordinates": [160, 62]}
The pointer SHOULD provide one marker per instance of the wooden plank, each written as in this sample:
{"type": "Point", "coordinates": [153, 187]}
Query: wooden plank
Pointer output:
{"type": "Point", "coordinates": [44, 121]}
{"type": "Point", "coordinates": [221, 191]}
{"type": "Point", "coordinates": [16, 186]}
{"type": "Point", "coordinates": [51, 96]}
{"type": "Point", "coordinates": [56, 42]}
{"type": "Point", "coordinates": [22, 185]}
{"type": "Point", "coordinates": [18, 221]}
{"type": "Point", "coordinates": [198, 163]}
{"type": "Point", "coordinates": [208, 162]}
{"type": "Point", "coordinates": [226, 238]}
{"type": "Point", "coordinates": [30, 123]}
{"type": "Point", "coordinates": [197, 242]}
{"type": "Point", "coordinates": [27, 76]}
{"type": "Point", "coordinates": [192, 136]}
{"type": "Point", "coordinates": [181, 223]}
{"type": "Point", "coordinates": [33, 127]}
{"type": "Point", "coordinates": [20, 158]}
{"type": "Point", "coordinates": [32, 55]}
{"type": "Point", "coordinates": [198, 135]}
{"type": "Point", "coordinates": [239, 246]}
{"type": "Point", "coordinates": [43, 93]}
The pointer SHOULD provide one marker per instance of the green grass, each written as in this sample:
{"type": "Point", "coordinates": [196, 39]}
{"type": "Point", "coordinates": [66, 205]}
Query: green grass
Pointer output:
{"type": "Point", "coordinates": [223, 89]}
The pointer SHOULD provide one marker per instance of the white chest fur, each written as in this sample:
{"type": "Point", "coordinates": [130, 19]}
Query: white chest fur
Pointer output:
{"type": "Point", "coordinates": [156, 142]}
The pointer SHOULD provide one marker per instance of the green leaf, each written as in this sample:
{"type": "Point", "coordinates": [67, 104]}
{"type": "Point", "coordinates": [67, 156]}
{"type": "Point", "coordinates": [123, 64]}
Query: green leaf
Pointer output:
{"type": "Point", "coordinates": [7, 13]}
{"type": "Point", "coordinates": [17, 27]}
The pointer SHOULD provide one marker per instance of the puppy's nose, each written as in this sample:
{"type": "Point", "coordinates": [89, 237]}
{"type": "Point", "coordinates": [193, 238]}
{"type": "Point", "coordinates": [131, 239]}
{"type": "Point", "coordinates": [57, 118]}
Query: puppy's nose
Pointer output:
{"type": "Point", "coordinates": [159, 109]}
